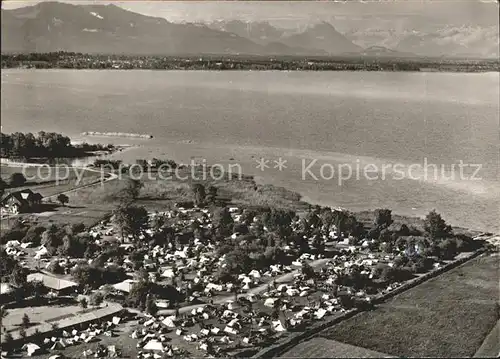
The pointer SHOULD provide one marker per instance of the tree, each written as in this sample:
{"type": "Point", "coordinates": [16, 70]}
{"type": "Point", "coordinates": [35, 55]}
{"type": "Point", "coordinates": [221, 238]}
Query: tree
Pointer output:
{"type": "Point", "coordinates": [3, 314]}
{"type": "Point", "coordinates": [83, 303]}
{"type": "Point", "coordinates": [52, 239]}
{"type": "Point", "coordinates": [199, 193]}
{"type": "Point", "coordinates": [151, 307]}
{"type": "Point", "coordinates": [158, 222]}
{"type": "Point", "coordinates": [87, 276]}
{"type": "Point", "coordinates": [36, 289]}
{"type": "Point", "coordinates": [223, 222]}
{"type": "Point", "coordinates": [7, 340]}
{"type": "Point", "coordinates": [139, 293]}
{"type": "Point", "coordinates": [435, 226]}
{"type": "Point", "coordinates": [18, 277]}
{"type": "Point", "coordinates": [55, 267]}
{"type": "Point", "coordinates": [131, 191]}
{"type": "Point", "coordinates": [308, 271]}
{"type": "Point", "coordinates": [63, 199]}
{"type": "Point", "coordinates": [279, 221]}
{"type": "Point", "coordinates": [448, 248]}
{"type": "Point", "coordinates": [3, 186]}
{"type": "Point", "coordinates": [25, 321]}
{"type": "Point", "coordinates": [17, 179]}
{"type": "Point", "coordinates": [131, 220]}
{"type": "Point", "coordinates": [22, 333]}
{"type": "Point", "coordinates": [383, 218]}
{"type": "Point", "coordinates": [96, 299]}
{"type": "Point", "coordinates": [212, 194]}
{"type": "Point", "coordinates": [34, 235]}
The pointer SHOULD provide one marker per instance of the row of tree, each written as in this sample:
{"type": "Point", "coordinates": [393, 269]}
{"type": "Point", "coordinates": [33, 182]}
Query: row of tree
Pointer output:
{"type": "Point", "coordinates": [43, 144]}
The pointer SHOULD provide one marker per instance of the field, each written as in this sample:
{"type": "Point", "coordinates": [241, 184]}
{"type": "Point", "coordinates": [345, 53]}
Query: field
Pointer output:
{"type": "Point", "coordinates": [449, 315]}
{"type": "Point", "coordinates": [326, 348]}
{"type": "Point", "coordinates": [42, 175]}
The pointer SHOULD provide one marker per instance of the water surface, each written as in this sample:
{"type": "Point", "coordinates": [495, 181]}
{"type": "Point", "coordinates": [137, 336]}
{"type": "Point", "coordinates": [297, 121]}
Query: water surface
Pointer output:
{"type": "Point", "coordinates": [334, 117]}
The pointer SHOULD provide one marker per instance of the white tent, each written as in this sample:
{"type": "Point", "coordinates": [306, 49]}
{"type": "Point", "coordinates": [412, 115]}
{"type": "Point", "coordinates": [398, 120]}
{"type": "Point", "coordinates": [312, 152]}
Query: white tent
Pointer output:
{"type": "Point", "coordinates": [154, 345]}
{"type": "Point", "coordinates": [41, 253]}
{"type": "Point", "coordinates": [169, 322]}
{"type": "Point", "coordinates": [320, 313]}
{"type": "Point", "coordinates": [269, 302]}
{"type": "Point", "coordinates": [112, 351]}
{"type": "Point", "coordinates": [277, 326]}
{"type": "Point", "coordinates": [168, 273]}
{"type": "Point", "coordinates": [230, 330]}
{"type": "Point", "coordinates": [31, 349]}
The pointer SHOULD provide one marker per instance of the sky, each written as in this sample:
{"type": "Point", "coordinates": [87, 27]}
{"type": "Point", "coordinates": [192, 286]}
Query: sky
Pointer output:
{"type": "Point", "coordinates": [482, 12]}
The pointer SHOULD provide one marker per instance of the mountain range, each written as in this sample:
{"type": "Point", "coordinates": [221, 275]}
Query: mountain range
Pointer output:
{"type": "Point", "coordinates": [110, 29]}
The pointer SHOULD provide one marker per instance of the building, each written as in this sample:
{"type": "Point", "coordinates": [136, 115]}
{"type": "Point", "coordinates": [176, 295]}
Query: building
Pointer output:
{"type": "Point", "coordinates": [23, 201]}
{"type": "Point", "coordinates": [125, 286]}
{"type": "Point", "coordinates": [54, 284]}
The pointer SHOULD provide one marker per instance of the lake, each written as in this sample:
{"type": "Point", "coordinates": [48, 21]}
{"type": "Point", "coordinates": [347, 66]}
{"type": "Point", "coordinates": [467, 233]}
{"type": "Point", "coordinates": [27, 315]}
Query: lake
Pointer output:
{"type": "Point", "coordinates": [334, 118]}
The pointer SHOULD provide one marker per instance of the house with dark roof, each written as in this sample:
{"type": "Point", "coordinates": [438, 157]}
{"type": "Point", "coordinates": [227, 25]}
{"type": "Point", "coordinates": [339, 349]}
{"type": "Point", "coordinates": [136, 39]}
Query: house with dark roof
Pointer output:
{"type": "Point", "coordinates": [23, 201]}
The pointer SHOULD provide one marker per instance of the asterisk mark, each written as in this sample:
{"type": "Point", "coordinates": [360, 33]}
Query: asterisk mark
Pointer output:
{"type": "Point", "coordinates": [262, 164]}
{"type": "Point", "coordinates": [280, 164]}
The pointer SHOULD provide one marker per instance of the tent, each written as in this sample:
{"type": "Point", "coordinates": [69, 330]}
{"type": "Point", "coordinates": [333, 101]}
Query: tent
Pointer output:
{"type": "Point", "coordinates": [278, 327]}
{"type": "Point", "coordinates": [320, 313]}
{"type": "Point", "coordinates": [169, 322]}
{"type": "Point", "coordinates": [154, 345]}
{"type": "Point", "coordinates": [41, 253]}
{"type": "Point", "coordinates": [269, 302]}
{"type": "Point", "coordinates": [112, 352]}
{"type": "Point", "coordinates": [32, 349]}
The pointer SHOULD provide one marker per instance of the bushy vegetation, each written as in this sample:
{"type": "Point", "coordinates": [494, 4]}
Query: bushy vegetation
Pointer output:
{"type": "Point", "coordinates": [43, 144]}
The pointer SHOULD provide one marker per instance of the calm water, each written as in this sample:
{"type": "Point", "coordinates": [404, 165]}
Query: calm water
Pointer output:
{"type": "Point", "coordinates": [352, 118]}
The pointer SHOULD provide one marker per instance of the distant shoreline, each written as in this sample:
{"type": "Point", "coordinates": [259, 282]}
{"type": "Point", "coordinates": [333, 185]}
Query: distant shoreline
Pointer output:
{"type": "Point", "coordinates": [77, 61]}
{"type": "Point", "coordinates": [116, 134]}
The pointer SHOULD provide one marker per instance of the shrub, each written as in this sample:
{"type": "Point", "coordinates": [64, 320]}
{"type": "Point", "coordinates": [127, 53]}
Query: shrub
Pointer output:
{"type": "Point", "coordinates": [400, 261]}
{"type": "Point", "coordinates": [55, 267]}
{"type": "Point", "coordinates": [96, 299]}
{"type": "Point", "coordinates": [17, 179]}
{"type": "Point", "coordinates": [83, 303]}
{"type": "Point", "coordinates": [25, 321]}
{"type": "Point", "coordinates": [448, 248]}
{"type": "Point", "coordinates": [422, 264]}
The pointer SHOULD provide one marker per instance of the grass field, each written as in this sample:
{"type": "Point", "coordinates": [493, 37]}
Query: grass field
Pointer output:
{"type": "Point", "coordinates": [326, 348]}
{"type": "Point", "coordinates": [47, 175]}
{"type": "Point", "coordinates": [449, 315]}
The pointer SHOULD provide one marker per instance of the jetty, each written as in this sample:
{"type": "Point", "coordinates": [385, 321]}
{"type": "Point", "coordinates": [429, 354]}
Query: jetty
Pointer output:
{"type": "Point", "coordinates": [116, 134]}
